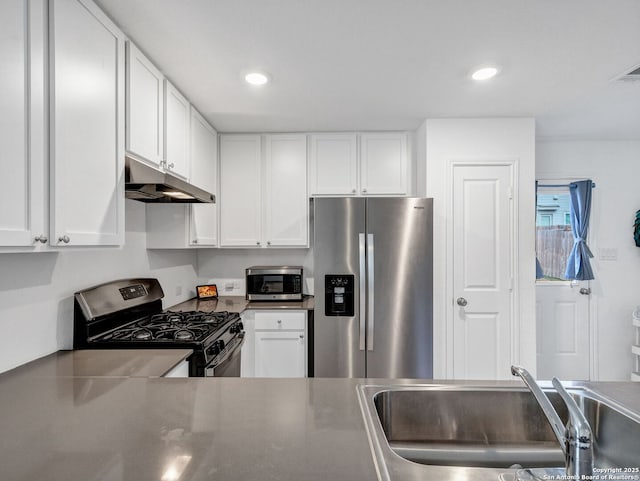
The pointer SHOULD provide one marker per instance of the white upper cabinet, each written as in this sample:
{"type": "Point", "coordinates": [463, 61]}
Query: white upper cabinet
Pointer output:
{"type": "Point", "coordinates": [145, 108]}
{"type": "Point", "coordinates": [240, 191]}
{"type": "Point", "coordinates": [22, 123]}
{"type": "Point", "coordinates": [177, 119]}
{"type": "Point", "coordinates": [384, 164]}
{"type": "Point", "coordinates": [263, 198]}
{"type": "Point", "coordinates": [181, 226]}
{"type": "Point", "coordinates": [381, 165]}
{"type": "Point", "coordinates": [158, 117]}
{"type": "Point", "coordinates": [204, 174]}
{"type": "Point", "coordinates": [286, 201]}
{"type": "Point", "coordinates": [333, 164]}
{"type": "Point", "coordinates": [87, 61]}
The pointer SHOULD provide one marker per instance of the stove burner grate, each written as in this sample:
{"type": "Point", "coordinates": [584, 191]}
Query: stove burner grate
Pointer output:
{"type": "Point", "coordinates": [173, 326]}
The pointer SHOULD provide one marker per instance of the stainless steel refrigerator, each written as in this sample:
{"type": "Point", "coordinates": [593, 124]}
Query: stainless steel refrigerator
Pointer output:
{"type": "Point", "coordinates": [373, 283]}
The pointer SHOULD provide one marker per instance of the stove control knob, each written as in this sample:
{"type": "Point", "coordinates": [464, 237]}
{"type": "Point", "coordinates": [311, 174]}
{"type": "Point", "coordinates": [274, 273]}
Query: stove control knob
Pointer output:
{"type": "Point", "coordinates": [239, 326]}
{"type": "Point", "coordinates": [216, 347]}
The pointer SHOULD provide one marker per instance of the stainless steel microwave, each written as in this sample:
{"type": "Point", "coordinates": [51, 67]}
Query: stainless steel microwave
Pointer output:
{"type": "Point", "coordinates": [274, 283]}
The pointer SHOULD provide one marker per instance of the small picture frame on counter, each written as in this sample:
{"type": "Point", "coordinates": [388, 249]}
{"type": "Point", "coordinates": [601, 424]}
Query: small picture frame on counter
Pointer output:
{"type": "Point", "coordinates": [207, 291]}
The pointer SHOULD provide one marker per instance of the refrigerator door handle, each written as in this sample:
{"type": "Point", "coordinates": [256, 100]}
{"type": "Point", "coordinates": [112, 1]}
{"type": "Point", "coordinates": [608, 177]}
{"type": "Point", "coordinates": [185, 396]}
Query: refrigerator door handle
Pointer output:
{"type": "Point", "coordinates": [363, 297]}
{"type": "Point", "coordinates": [370, 292]}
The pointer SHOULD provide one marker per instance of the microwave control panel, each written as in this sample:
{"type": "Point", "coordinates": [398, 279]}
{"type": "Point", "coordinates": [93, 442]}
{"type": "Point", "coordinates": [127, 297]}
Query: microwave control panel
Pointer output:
{"type": "Point", "coordinates": [339, 299]}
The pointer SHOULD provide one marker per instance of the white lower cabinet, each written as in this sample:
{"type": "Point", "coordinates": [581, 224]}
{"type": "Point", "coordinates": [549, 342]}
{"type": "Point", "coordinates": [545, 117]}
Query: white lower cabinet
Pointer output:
{"type": "Point", "coordinates": [276, 344]}
{"type": "Point", "coordinates": [179, 370]}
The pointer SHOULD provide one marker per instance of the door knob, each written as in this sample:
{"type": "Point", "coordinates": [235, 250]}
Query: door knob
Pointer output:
{"type": "Point", "coordinates": [585, 291]}
{"type": "Point", "coordinates": [461, 301]}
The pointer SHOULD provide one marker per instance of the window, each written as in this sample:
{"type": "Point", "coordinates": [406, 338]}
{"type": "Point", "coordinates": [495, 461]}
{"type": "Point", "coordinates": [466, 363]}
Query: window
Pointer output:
{"type": "Point", "coordinates": [554, 239]}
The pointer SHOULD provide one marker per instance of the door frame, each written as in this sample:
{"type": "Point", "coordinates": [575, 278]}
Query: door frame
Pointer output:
{"type": "Point", "coordinates": [594, 285]}
{"type": "Point", "coordinates": [514, 348]}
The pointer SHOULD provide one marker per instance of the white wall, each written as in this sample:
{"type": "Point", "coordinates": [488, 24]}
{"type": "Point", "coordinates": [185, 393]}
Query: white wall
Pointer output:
{"type": "Point", "coordinates": [221, 266]}
{"type": "Point", "coordinates": [36, 290]}
{"type": "Point", "coordinates": [615, 168]}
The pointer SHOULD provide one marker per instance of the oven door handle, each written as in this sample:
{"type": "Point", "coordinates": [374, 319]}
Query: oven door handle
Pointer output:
{"type": "Point", "coordinates": [230, 352]}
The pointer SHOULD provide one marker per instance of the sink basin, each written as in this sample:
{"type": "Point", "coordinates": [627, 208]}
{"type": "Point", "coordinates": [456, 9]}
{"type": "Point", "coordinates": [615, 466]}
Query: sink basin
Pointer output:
{"type": "Point", "coordinates": [487, 428]}
{"type": "Point", "coordinates": [491, 428]}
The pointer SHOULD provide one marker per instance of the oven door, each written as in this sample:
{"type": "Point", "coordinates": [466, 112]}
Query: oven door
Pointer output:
{"type": "Point", "coordinates": [227, 363]}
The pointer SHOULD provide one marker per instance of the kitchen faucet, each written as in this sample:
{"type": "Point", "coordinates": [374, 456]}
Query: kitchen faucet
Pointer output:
{"type": "Point", "coordinates": [576, 438]}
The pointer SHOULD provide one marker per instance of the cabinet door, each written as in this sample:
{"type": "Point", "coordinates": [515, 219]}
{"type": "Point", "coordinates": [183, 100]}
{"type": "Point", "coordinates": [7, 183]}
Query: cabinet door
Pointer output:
{"type": "Point", "coordinates": [286, 201]}
{"type": "Point", "coordinates": [384, 164]}
{"type": "Point", "coordinates": [145, 108]}
{"type": "Point", "coordinates": [177, 119]}
{"type": "Point", "coordinates": [240, 191]}
{"type": "Point", "coordinates": [22, 136]}
{"type": "Point", "coordinates": [204, 174]}
{"type": "Point", "coordinates": [333, 164]}
{"type": "Point", "coordinates": [87, 125]}
{"type": "Point", "coordinates": [280, 354]}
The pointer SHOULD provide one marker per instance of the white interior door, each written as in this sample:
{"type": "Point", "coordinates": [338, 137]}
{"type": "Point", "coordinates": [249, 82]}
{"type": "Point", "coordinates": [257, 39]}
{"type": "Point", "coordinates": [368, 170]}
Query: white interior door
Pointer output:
{"type": "Point", "coordinates": [482, 270]}
{"type": "Point", "coordinates": [562, 318]}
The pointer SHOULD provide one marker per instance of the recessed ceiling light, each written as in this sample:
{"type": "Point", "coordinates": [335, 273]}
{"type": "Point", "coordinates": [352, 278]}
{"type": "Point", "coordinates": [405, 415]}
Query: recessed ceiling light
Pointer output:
{"type": "Point", "coordinates": [256, 78]}
{"type": "Point", "coordinates": [484, 73]}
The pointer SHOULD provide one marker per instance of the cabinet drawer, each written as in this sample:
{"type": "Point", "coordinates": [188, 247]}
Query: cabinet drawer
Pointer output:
{"type": "Point", "coordinates": [280, 320]}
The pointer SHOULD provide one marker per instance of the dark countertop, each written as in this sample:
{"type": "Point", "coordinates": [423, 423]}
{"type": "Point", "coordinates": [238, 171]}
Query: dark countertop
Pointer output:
{"type": "Point", "coordinates": [240, 304]}
{"type": "Point", "coordinates": [99, 429]}
{"type": "Point", "coordinates": [105, 362]}
{"type": "Point", "coordinates": [63, 428]}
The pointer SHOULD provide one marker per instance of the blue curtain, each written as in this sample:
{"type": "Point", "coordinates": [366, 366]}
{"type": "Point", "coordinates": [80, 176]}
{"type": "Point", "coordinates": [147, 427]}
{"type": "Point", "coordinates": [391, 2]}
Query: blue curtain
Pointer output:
{"type": "Point", "coordinates": [539, 272]}
{"type": "Point", "coordinates": [578, 265]}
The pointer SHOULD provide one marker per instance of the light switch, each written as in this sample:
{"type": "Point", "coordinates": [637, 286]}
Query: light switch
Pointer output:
{"type": "Point", "coordinates": [608, 254]}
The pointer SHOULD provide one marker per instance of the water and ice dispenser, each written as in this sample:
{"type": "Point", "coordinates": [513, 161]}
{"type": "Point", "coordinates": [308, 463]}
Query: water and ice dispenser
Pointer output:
{"type": "Point", "coordinates": [339, 299]}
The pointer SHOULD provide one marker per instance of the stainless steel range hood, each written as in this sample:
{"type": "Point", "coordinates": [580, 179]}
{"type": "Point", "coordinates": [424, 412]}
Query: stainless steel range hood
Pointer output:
{"type": "Point", "coordinates": [146, 184]}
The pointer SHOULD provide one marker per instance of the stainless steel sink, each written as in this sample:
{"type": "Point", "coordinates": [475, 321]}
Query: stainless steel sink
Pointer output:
{"type": "Point", "coordinates": [488, 430]}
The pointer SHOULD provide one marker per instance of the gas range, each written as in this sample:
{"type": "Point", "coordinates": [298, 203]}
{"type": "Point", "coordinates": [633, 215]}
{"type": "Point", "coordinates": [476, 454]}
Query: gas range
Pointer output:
{"type": "Point", "coordinates": [128, 314]}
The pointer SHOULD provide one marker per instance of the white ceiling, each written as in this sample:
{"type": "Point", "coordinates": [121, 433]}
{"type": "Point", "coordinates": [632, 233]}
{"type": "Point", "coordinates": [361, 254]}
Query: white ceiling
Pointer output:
{"type": "Point", "coordinates": [389, 64]}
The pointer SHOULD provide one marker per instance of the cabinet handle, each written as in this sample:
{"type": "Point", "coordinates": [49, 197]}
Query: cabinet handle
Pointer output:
{"type": "Point", "coordinates": [171, 165]}
{"type": "Point", "coordinates": [364, 191]}
{"type": "Point", "coordinates": [195, 241]}
{"type": "Point", "coordinates": [268, 243]}
{"type": "Point", "coordinates": [353, 191]}
{"type": "Point", "coordinates": [258, 243]}
{"type": "Point", "coordinates": [64, 238]}
{"type": "Point", "coordinates": [42, 239]}
{"type": "Point", "coordinates": [301, 336]}
{"type": "Point", "coordinates": [279, 321]}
